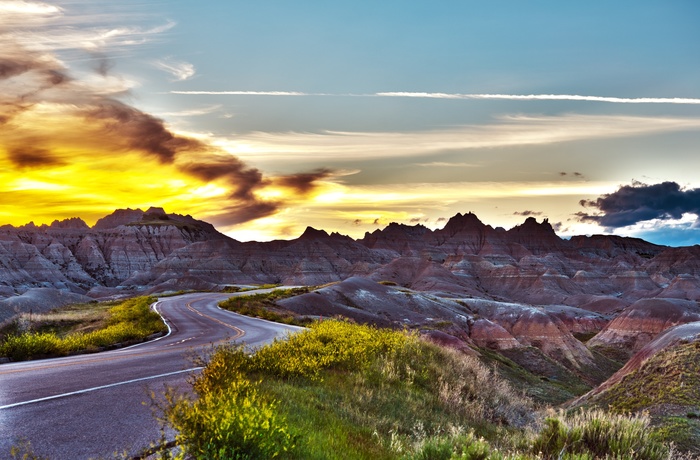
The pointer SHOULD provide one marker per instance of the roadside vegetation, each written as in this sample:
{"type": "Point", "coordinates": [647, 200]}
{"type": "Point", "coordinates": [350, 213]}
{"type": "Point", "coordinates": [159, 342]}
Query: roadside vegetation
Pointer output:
{"type": "Point", "coordinates": [264, 305]}
{"type": "Point", "coordinates": [80, 328]}
{"type": "Point", "coordinates": [346, 391]}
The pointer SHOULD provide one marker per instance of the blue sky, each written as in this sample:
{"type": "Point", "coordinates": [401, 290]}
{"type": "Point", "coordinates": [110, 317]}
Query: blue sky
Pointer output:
{"type": "Point", "coordinates": [412, 111]}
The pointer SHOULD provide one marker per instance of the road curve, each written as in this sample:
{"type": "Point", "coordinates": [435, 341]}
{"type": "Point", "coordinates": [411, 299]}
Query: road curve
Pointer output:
{"type": "Point", "coordinates": [96, 405]}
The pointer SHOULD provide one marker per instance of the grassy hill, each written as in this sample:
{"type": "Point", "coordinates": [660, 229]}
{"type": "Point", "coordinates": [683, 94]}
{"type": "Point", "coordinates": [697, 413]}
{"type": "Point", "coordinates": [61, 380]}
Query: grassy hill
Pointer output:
{"type": "Point", "coordinates": [667, 387]}
{"type": "Point", "coordinates": [346, 391]}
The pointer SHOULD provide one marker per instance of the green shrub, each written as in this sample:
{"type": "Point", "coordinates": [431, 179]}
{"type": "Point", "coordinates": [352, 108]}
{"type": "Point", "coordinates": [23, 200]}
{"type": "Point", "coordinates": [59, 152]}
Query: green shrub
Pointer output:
{"type": "Point", "coordinates": [32, 344]}
{"type": "Point", "coordinates": [229, 418]}
{"type": "Point", "coordinates": [327, 345]}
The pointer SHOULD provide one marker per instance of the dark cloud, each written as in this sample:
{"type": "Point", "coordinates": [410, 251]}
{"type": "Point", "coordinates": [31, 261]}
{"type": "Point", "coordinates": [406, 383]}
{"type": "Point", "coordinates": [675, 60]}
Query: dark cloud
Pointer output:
{"type": "Point", "coordinates": [140, 130]}
{"type": "Point", "coordinates": [10, 68]}
{"type": "Point", "coordinates": [415, 220]}
{"type": "Point", "coordinates": [441, 219]}
{"type": "Point", "coordinates": [357, 222]}
{"type": "Point", "coordinates": [243, 180]}
{"type": "Point", "coordinates": [376, 221]}
{"type": "Point", "coordinates": [304, 182]}
{"type": "Point", "coordinates": [575, 174]}
{"type": "Point", "coordinates": [15, 62]}
{"type": "Point", "coordinates": [103, 66]}
{"type": "Point", "coordinates": [244, 212]}
{"type": "Point", "coordinates": [30, 77]}
{"type": "Point", "coordinates": [527, 213]}
{"type": "Point", "coordinates": [32, 157]}
{"type": "Point", "coordinates": [639, 202]}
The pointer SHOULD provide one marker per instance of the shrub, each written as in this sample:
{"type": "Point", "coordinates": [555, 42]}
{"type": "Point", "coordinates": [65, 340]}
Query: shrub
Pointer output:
{"type": "Point", "coordinates": [229, 419]}
{"type": "Point", "coordinates": [31, 344]}
{"type": "Point", "coordinates": [328, 344]}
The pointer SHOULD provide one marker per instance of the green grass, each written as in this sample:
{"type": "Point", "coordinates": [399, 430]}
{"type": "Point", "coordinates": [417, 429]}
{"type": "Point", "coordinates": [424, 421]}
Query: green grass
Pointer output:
{"type": "Point", "coordinates": [345, 391]}
{"type": "Point", "coordinates": [83, 329]}
{"type": "Point", "coordinates": [263, 305]}
{"type": "Point", "coordinates": [671, 377]}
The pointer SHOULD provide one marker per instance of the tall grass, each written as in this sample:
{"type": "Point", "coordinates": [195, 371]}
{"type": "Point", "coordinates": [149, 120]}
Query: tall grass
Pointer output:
{"type": "Point", "coordinates": [597, 434]}
{"type": "Point", "coordinates": [345, 391]}
{"type": "Point", "coordinates": [131, 320]}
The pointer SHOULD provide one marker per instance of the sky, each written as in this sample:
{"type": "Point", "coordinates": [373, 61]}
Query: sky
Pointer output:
{"type": "Point", "coordinates": [269, 116]}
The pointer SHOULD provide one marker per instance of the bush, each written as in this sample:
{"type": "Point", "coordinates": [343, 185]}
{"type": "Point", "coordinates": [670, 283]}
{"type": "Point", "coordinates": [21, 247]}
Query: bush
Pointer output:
{"type": "Point", "coordinates": [327, 345]}
{"type": "Point", "coordinates": [229, 419]}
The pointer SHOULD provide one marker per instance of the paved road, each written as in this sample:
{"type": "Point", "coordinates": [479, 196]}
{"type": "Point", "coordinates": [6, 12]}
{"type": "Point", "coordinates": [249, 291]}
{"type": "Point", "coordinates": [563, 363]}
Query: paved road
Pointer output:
{"type": "Point", "coordinates": [96, 405]}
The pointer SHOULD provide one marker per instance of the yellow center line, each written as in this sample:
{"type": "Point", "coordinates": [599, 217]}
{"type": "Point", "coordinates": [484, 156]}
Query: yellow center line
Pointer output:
{"type": "Point", "coordinates": [239, 332]}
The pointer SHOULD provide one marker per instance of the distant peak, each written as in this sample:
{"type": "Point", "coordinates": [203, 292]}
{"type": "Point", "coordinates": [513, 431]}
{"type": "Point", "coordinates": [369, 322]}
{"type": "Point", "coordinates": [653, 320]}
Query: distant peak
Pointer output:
{"type": "Point", "coordinates": [531, 224]}
{"type": "Point", "coordinates": [73, 222]}
{"type": "Point", "coordinates": [463, 222]}
{"type": "Point", "coordinates": [119, 217]}
{"type": "Point", "coordinates": [312, 233]}
{"type": "Point", "coordinates": [156, 212]}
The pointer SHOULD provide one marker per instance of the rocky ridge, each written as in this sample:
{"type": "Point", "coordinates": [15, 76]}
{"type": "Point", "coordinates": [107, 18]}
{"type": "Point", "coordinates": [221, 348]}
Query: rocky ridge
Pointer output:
{"type": "Point", "coordinates": [508, 290]}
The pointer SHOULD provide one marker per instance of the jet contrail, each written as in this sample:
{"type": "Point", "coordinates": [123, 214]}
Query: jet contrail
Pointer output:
{"type": "Point", "coordinates": [546, 97]}
{"type": "Point", "coordinates": [513, 97]}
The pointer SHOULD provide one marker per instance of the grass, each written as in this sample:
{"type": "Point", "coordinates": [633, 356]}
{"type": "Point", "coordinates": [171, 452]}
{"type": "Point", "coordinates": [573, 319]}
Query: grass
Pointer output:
{"type": "Point", "coordinates": [345, 391]}
{"type": "Point", "coordinates": [671, 377]}
{"type": "Point", "coordinates": [668, 387]}
{"type": "Point", "coordinates": [263, 305]}
{"type": "Point", "coordinates": [81, 328]}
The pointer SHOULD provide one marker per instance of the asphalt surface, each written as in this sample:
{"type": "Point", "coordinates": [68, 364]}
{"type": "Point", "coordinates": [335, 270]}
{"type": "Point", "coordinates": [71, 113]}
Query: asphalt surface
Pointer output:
{"type": "Point", "coordinates": [99, 405]}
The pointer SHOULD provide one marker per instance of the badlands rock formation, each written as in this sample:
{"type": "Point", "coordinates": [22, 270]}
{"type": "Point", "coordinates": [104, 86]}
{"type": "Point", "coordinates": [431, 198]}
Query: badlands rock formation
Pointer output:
{"type": "Point", "coordinates": [508, 290]}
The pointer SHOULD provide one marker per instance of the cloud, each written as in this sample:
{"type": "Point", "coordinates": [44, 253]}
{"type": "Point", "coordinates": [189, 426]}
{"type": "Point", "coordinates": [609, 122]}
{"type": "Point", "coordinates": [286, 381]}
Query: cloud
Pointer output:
{"type": "Point", "coordinates": [446, 164]}
{"type": "Point", "coordinates": [462, 96]}
{"type": "Point", "coordinates": [31, 157]}
{"type": "Point", "coordinates": [545, 97]}
{"type": "Point", "coordinates": [304, 183]}
{"type": "Point", "coordinates": [527, 213]}
{"type": "Point", "coordinates": [631, 204]}
{"type": "Point", "coordinates": [180, 70]}
{"type": "Point", "coordinates": [503, 132]}
{"type": "Point", "coordinates": [57, 124]}
{"type": "Point", "coordinates": [247, 93]}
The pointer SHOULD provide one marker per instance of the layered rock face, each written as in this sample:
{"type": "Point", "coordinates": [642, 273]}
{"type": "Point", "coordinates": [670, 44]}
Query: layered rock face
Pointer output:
{"type": "Point", "coordinates": [642, 321]}
{"type": "Point", "coordinates": [68, 255]}
{"type": "Point", "coordinates": [503, 289]}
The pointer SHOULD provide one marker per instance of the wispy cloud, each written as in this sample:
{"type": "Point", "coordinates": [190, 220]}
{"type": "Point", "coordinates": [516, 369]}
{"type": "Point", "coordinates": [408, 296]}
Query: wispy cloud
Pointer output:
{"type": "Point", "coordinates": [60, 123]}
{"type": "Point", "coordinates": [426, 95]}
{"type": "Point", "coordinates": [180, 70]}
{"type": "Point", "coordinates": [546, 97]}
{"type": "Point", "coordinates": [21, 7]}
{"type": "Point", "coordinates": [196, 112]}
{"type": "Point", "coordinates": [446, 164]}
{"type": "Point", "coordinates": [247, 93]}
{"type": "Point", "coordinates": [504, 132]}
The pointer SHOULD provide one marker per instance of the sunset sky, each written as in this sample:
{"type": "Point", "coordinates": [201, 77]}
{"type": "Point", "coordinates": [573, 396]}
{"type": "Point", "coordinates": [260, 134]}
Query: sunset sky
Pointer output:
{"type": "Point", "coordinates": [263, 117]}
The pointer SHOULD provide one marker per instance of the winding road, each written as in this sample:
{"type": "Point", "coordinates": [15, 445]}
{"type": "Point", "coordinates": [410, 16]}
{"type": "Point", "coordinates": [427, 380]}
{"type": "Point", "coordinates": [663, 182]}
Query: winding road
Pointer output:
{"type": "Point", "coordinates": [98, 405]}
